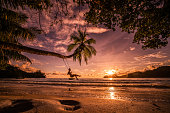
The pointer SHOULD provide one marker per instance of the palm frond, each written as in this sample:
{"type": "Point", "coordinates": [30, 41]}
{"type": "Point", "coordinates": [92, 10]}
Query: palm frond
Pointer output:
{"type": "Point", "coordinates": [3, 59]}
{"type": "Point", "coordinates": [92, 49]}
{"type": "Point", "coordinates": [87, 52]}
{"type": "Point", "coordinates": [12, 29]}
{"type": "Point", "coordinates": [79, 56]}
{"type": "Point", "coordinates": [14, 55]}
{"type": "Point", "coordinates": [75, 38]}
{"type": "Point", "coordinates": [71, 47]}
{"type": "Point", "coordinates": [90, 41]}
{"type": "Point", "coordinates": [84, 48]}
{"type": "Point", "coordinates": [81, 35]}
{"type": "Point", "coordinates": [85, 59]}
{"type": "Point", "coordinates": [33, 4]}
{"type": "Point", "coordinates": [12, 16]}
{"type": "Point", "coordinates": [84, 35]}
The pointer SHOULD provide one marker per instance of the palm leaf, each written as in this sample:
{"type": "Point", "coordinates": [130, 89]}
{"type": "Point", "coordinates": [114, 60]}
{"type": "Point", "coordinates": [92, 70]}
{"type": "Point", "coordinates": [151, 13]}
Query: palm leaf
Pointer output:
{"type": "Point", "coordinates": [33, 4]}
{"type": "Point", "coordinates": [81, 35]}
{"type": "Point", "coordinates": [92, 49]}
{"type": "Point", "coordinates": [75, 38]}
{"type": "Point", "coordinates": [14, 55]}
{"type": "Point", "coordinates": [71, 47]}
{"type": "Point", "coordinates": [85, 59]}
{"type": "Point", "coordinates": [87, 52]}
{"type": "Point", "coordinates": [84, 48]}
{"type": "Point", "coordinates": [90, 41]}
{"type": "Point", "coordinates": [12, 16]}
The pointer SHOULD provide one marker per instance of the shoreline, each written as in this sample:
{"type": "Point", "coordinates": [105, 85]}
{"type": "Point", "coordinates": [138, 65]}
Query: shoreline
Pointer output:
{"type": "Point", "coordinates": [27, 98]}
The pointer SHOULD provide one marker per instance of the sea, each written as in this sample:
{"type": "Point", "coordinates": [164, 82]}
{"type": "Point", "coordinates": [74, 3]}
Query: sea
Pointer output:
{"type": "Point", "coordinates": [131, 89]}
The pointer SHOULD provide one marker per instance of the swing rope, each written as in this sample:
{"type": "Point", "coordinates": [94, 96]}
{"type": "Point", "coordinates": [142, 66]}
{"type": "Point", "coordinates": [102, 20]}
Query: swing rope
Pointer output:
{"type": "Point", "coordinates": [66, 63]}
{"type": "Point", "coordinates": [68, 67]}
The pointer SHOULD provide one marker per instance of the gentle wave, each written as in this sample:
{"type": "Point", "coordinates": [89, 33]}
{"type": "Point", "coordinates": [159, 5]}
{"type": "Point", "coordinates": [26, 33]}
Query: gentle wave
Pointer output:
{"type": "Point", "coordinates": [96, 82]}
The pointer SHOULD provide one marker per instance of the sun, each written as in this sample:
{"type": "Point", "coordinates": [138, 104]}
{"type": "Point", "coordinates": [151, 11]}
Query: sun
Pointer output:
{"type": "Point", "coordinates": [110, 72]}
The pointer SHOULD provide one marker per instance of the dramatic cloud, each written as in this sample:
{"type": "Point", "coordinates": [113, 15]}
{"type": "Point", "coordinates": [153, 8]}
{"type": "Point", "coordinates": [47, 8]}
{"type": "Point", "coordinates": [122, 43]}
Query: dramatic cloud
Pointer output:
{"type": "Point", "coordinates": [60, 66]}
{"type": "Point", "coordinates": [60, 49]}
{"type": "Point", "coordinates": [35, 61]}
{"type": "Point", "coordinates": [153, 55]}
{"type": "Point", "coordinates": [165, 63]}
{"type": "Point", "coordinates": [74, 22]}
{"type": "Point", "coordinates": [26, 67]}
{"type": "Point", "coordinates": [114, 49]}
{"type": "Point", "coordinates": [96, 30]}
{"type": "Point", "coordinates": [30, 69]}
{"type": "Point", "coordinates": [154, 65]}
{"type": "Point", "coordinates": [151, 67]}
{"type": "Point", "coordinates": [132, 48]}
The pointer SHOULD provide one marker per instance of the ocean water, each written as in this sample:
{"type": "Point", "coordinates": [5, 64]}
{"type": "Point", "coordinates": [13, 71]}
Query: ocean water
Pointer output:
{"type": "Point", "coordinates": [132, 89]}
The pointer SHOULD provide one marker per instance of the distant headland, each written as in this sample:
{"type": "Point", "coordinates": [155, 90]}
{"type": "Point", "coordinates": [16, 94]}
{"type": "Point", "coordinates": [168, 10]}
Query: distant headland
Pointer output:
{"type": "Point", "coordinates": [160, 72]}
{"type": "Point", "coordinates": [14, 72]}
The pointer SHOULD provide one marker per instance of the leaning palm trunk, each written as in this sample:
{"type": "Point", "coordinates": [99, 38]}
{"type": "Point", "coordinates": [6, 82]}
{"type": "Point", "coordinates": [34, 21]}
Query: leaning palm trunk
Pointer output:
{"type": "Point", "coordinates": [20, 48]}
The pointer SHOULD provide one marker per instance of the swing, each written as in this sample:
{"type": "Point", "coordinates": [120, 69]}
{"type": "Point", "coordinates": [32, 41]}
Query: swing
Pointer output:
{"type": "Point", "coordinates": [69, 71]}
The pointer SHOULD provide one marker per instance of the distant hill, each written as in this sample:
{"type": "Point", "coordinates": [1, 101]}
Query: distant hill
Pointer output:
{"type": "Point", "coordinates": [160, 72]}
{"type": "Point", "coordinates": [14, 72]}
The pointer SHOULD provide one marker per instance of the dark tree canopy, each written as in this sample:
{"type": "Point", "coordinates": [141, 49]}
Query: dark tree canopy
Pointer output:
{"type": "Point", "coordinates": [11, 29]}
{"type": "Point", "coordinates": [148, 19]}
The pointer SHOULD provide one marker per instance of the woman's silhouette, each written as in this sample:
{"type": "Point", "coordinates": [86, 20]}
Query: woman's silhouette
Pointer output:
{"type": "Point", "coordinates": [72, 75]}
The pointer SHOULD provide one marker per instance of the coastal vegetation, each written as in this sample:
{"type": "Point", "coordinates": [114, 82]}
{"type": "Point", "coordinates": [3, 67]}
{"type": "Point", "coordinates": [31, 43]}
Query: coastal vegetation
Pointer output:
{"type": "Point", "coordinates": [14, 72]}
{"type": "Point", "coordinates": [160, 72]}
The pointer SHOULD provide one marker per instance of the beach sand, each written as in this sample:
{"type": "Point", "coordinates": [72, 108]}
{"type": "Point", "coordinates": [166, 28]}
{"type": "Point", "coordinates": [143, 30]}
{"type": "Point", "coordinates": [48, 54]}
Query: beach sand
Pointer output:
{"type": "Point", "coordinates": [18, 97]}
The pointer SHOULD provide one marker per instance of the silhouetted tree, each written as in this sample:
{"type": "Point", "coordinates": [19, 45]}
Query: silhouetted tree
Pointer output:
{"type": "Point", "coordinates": [11, 29]}
{"type": "Point", "coordinates": [148, 19]}
{"type": "Point", "coordinates": [84, 48]}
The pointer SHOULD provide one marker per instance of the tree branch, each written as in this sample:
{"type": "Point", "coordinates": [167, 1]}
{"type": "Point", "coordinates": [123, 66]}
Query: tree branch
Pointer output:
{"type": "Point", "coordinates": [20, 48]}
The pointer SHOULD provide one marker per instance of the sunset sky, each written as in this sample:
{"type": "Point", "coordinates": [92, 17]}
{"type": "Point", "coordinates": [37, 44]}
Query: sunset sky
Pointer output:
{"type": "Point", "coordinates": [115, 50]}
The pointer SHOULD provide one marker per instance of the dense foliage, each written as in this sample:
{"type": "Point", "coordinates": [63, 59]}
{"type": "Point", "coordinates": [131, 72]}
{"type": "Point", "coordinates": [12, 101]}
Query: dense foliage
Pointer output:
{"type": "Point", "coordinates": [11, 26]}
{"type": "Point", "coordinates": [148, 19]}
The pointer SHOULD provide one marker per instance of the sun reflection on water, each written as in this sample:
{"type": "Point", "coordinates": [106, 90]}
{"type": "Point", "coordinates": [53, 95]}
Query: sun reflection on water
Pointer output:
{"type": "Point", "coordinates": [112, 93]}
{"type": "Point", "coordinates": [110, 78]}
{"type": "Point", "coordinates": [111, 88]}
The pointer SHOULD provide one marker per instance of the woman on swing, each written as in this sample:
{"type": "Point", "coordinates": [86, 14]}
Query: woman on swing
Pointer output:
{"type": "Point", "coordinates": [72, 75]}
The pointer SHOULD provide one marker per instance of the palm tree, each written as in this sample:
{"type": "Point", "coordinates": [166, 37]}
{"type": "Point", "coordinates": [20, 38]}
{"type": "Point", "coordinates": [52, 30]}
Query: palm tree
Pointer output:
{"type": "Point", "coordinates": [11, 29]}
{"type": "Point", "coordinates": [84, 48]}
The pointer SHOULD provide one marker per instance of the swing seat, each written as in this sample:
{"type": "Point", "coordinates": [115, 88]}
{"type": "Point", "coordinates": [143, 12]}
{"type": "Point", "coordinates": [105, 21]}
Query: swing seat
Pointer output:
{"type": "Point", "coordinates": [71, 75]}
{"type": "Point", "coordinates": [71, 78]}
{"type": "Point", "coordinates": [76, 75]}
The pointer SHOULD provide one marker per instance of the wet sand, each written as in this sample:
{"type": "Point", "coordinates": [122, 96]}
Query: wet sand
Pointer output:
{"type": "Point", "coordinates": [26, 98]}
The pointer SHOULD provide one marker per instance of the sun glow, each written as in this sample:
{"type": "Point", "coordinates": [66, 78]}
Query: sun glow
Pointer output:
{"type": "Point", "coordinates": [110, 72]}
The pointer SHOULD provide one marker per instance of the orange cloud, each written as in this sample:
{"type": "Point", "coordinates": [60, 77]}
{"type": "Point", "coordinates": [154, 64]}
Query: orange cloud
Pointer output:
{"type": "Point", "coordinates": [96, 30]}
